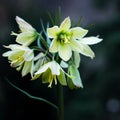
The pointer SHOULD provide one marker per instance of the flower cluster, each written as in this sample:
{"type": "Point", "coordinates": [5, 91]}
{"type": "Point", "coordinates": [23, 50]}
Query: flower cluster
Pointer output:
{"type": "Point", "coordinates": [55, 56]}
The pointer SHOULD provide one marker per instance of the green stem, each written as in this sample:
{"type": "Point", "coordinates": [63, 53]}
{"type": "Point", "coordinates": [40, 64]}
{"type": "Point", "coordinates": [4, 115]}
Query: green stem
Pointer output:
{"type": "Point", "coordinates": [60, 103]}
{"type": "Point", "coordinates": [31, 96]}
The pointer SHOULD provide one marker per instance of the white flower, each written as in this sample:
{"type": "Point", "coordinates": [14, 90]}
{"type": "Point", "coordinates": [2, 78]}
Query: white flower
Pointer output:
{"type": "Point", "coordinates": [49, 72]}
{"type": "Point", "coordinates": [20, 57]}
{"type": "Point", "coordinates": [66, 39]}
{"type": "Point", "coordinates": [28, 33]}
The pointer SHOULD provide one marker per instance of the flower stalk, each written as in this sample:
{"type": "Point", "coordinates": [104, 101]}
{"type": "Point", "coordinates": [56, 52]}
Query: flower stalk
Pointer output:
{"type": "Point", "coordinates": [60, 102]}
{"type": "Point", "coordinates": [56, 51]}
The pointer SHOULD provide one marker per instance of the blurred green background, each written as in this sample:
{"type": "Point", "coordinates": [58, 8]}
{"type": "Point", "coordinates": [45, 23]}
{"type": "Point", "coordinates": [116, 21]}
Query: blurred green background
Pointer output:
{"type": "Point", "coordinates": [100, 97]}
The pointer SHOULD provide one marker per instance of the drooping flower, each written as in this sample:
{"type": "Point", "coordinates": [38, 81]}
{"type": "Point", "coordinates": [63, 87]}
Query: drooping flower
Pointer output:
{"type": "Point", "coordinates": [20, 57]}
{"type": "Point", "coordinates": [27, 33]}
{"type": "Point", "coordinates": [50, 72]}
{"type": "Point", "coordinates": [40, 60]}
{"type": "Point", "coordinates": [75, 81]}
{"type": "Point", "coordinates": [66, 39]}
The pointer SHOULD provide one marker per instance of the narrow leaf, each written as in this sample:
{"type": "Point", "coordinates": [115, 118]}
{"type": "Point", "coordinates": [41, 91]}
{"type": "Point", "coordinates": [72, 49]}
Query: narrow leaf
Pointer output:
{"type": "Point", "coordinates": [31, 96]}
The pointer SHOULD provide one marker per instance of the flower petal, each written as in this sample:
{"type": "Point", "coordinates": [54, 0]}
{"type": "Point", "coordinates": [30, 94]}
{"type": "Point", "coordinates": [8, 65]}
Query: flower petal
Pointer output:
{"type": "Point", "coordinates": [76, 76]}
{"type": "Point", "coordinates": [52, 32]}
{"type": "Point", "coordinates": [66, 24]}
{"type": "Point", "coordinates": [43, 68]}
{"type": "Point", "coordinates": [23, 25]}
{"type": "Point", "coordinates": [76, 59]}
{"type": "Point", "coordinates": [36, 76]}
{"type": "Point", "coordinates": [90, 40]}
{"type": "Point", "coordinates": [86, 50]}
{"type": "Point", "coordinates": [19, 67]}
{"type": "Point", "coordinates": [55, 68]}
{"type": "Point", "coordinates": [78, 32]}
{"type": "Point", "coordinates": [6, 54]}
{"type": "Point", "coordinates": [15, 55]}
{"type": "Point", "coordinates": [65, 52]}
{"type": "Point", "coordinates": [63, 64]}
{"type": "Point", "coordinates": [28, 55]}
{"type": "Point", "coordinates": [81, 48]}
{"type": "Point", "coordinates": [61, 78]}
{"type": "Point", "coordinates": [32, 68]}
{"type": "Point", "coordinates": [70, 84]}
{"type": "Point", "coordinates": [15, 47]}
{"type": "Point", "coordinates": [47, 76]}
{"type": "Point", "coordinates": [74, 44]}
{"type": "Point", "coordinates": [54, 46]}
{"type": "Point", "coordinates": [26, 38]}
{"type": "Point", "coordinates": [26, 68]}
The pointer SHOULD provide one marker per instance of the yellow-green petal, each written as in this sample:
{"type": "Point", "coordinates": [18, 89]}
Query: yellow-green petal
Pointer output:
{"type": "Point", "coordinates": [76, 59]}
{"type": "Point", "coordinates": [78, 32]}
{"type": "Point", "coordinates": [76, 76]}
{"type": "Point", "coordinates": [66, 24]}
{"type": "Point", "coordinates": [65, 52]}
{"type": "Point", "coordinates": [26, 68]}
{"type": "Point", "coordinates": [26, 38]}
{"type": "Point", "coordinates": [74, 44]}
{"type": "Point", "coordinates": [15, 55]}
{"type": "Point", "coordinates": [46, 76]}
{"type": "Point", "coordinates": [61, 78]}
{"type": "Point", "coordinates": [28, 55]}
{"type": "Point", "coordinates": [86, 50]}
{"type": "Point", "coordinates": [36, 77]}
{"type": "Point", "coordinates": [32, 69]}
{"type": "Point", "coordinates": [70, 84]}
{"type": "Point", "coordinates": [52, 32]}
{"type": "Point", "coordinates": [19, 67]}
{"type": "Point", "coordinates": [54, 46]}
{"type": "Point", "coordinates": [82, 48]}
{"type": "Point", "coordinates": [43, 68]}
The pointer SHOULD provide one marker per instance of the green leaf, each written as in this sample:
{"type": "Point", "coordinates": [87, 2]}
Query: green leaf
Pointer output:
{"type": "Point", "coordinates": [44, 31]}
{"type": "Point", "coordinates": [38, 41]}
{"type": "Point", "coordinates": [47, 38]}
{"type": "Point", "coordinates": [51, 18]}
{"type": "Point", "coordinates": [31, 96]}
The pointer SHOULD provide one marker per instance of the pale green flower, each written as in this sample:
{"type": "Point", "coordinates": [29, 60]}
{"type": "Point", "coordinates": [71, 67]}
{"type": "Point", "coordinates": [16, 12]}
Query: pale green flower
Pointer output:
{"type": "Point", "coordinates": [66, 39]}
{"type": "Point", "coordinates": [28, 33]}
{"type": "Point", "coordinates": [75, 81]}
{"type": "Point", "coordinates": [40, 60]}
{"type": "Point", "coordinates": [50, 72]}
{"type": "Point", "coordinates": [20, 57]}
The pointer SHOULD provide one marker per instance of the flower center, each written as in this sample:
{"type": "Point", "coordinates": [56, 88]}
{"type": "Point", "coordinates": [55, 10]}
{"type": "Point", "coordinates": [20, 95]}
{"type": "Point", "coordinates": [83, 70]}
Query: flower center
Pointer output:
{"type": "Point", "coordinates": [51, 78]}
{"type": "Point", "coordinates": [63, 37]}
{"type": "Point", "coordinates": [17, 61]}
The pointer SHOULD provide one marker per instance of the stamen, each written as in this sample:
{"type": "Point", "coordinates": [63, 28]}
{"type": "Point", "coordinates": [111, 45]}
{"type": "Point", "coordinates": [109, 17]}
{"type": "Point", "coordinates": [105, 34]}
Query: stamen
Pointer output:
{"type": "Point", "coordinates": [55, 79]}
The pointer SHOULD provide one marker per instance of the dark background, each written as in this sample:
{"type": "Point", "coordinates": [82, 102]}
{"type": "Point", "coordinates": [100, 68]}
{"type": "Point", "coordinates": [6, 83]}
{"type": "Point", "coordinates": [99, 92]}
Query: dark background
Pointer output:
{"type": "Point", "coordinates": [100, 97]}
